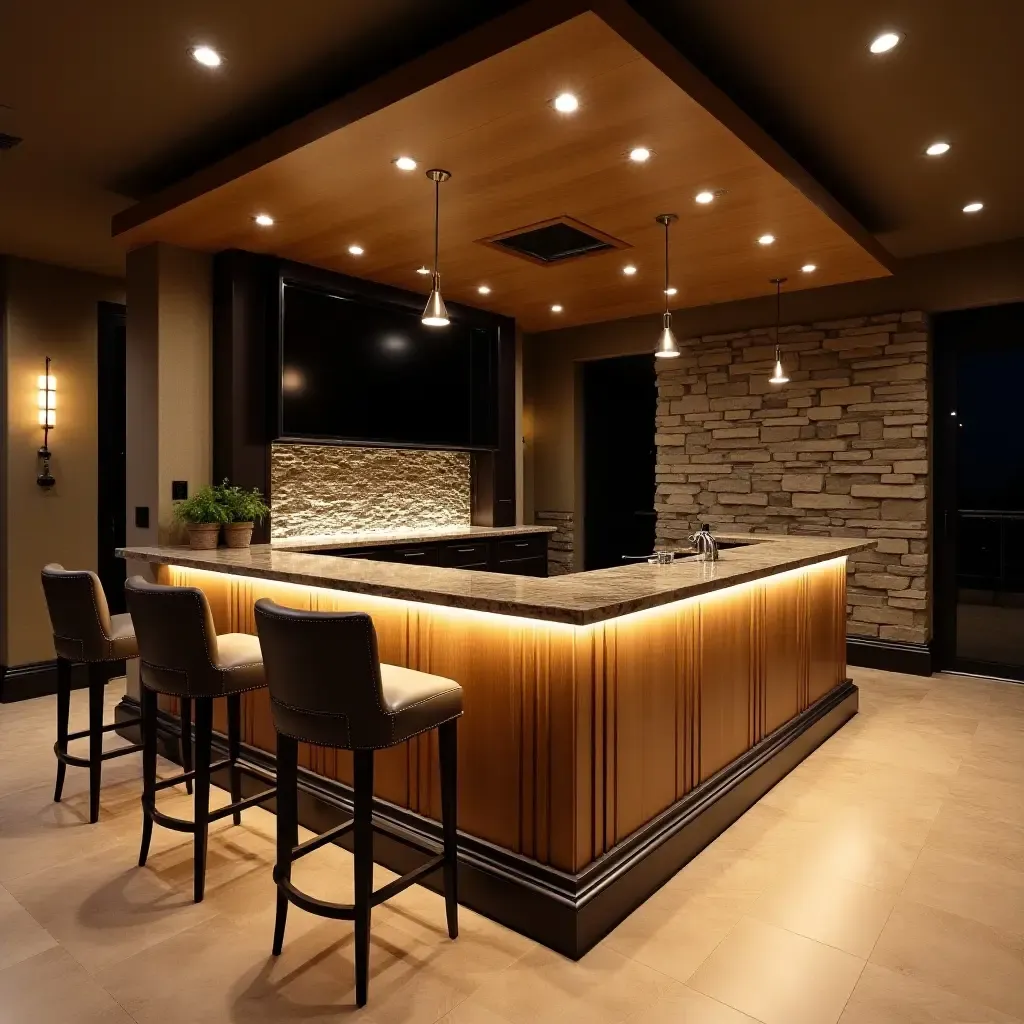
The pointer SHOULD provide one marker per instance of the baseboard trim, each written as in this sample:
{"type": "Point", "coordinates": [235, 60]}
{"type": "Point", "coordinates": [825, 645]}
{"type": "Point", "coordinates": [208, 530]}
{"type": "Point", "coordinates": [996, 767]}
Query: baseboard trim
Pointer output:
{"type": "Point", "coordinates": [567, 912]}
{"type": "Point", "coordinates": [36, 679]}
{"type": "Point", "coordinates": [890, 655]}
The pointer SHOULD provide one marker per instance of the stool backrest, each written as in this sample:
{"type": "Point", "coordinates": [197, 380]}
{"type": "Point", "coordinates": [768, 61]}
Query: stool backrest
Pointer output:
{"type": "Point", "coordinates": [176, 635]}
{"type": "Point", "coordinates": [323, 665]}
{"type": "Point", "coordinates": [79, 613]}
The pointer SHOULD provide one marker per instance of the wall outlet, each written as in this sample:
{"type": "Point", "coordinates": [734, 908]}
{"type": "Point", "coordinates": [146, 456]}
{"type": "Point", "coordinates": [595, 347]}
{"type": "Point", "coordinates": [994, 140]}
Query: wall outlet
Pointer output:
{"type": "Point", "coordinates": [142, 517]}
{"type": "Point", "coordinates": [179, 490]}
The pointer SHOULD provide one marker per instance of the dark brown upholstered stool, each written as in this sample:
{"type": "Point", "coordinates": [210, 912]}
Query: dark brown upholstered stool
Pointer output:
{"type": "Point", "coordinates": [181, 655]}
{"type": "Point", "coordinates": [328, 687]}
{"type": "Point", "coordinates": [85, 631]}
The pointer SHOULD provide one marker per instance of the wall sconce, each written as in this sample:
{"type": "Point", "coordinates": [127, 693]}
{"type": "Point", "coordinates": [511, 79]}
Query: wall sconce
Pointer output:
{"type": "Point", "coordinates": [47, 402]}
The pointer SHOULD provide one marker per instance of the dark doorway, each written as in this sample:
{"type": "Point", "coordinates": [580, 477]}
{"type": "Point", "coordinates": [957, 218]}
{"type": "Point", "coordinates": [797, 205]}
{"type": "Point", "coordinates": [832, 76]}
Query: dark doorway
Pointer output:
{"type": "Point", "coordinates": [619, 405]}
{"type": "Point", "coordinates": [979, 489]}
{"type": "Point", "coordinates": [111, 451]}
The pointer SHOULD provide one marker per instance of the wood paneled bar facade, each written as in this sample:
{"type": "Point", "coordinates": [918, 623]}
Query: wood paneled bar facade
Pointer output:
{"type": "Point", "coordinates": [579, 738]}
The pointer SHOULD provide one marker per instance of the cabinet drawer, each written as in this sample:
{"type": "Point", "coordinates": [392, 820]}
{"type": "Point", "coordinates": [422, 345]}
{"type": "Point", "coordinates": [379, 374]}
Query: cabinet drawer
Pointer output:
{"type": "Point", "coordinates": [476, 554]}
{"type": "Point", "coordinates": [533, 545]}
{"type": "Point", "coordinates": [424, 554]}
{"type": "Point", "coordinates": [536, 566]}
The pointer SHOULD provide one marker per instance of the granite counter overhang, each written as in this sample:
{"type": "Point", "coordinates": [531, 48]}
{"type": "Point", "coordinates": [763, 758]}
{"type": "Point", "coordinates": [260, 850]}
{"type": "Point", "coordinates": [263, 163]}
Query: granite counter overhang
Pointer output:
{"type": "Point", "coordinates": [579, 599]}
{"type": "Point", "coordinates": [396, 538]}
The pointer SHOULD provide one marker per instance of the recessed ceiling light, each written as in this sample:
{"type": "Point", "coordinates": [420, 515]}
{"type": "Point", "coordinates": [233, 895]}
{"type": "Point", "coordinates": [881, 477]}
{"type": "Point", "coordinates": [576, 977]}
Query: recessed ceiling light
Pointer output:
{"type": "Point", "coordinates": [207, 56]}
{"type": "Point", "coordinates": [704, 197]}
{"type": "Point", "coordinates": [671, 291]}
{"type": "Point", "coordinates": [264, 220]}
{"type": "Point", "coordinates": [809, 268]}
{"type": "Point", "coordinates": [937, 148]}
{"type": "Point", "coordinates": [423, 270]}
{"type": "Point", "coordinates": [973, 207]}
{"type": "Point", "coordinates": [484, 289]}
{"type": "Point", "coordinates": [629, 270]}
{"type": "Point", "coordinates": [640, 155]}
{"type": "Point", "coordinates": [405, 163]}
{"type": "Point", "coordinates": [566, 103]}
{"type": "Point", "coordinates": [885, 42]}
{"type": "Point", "coordinates": [356, 250]}
{"type": "Point", "coordinates": [556, 308]}
{"type": "Point", "coordinates": [766, 240]}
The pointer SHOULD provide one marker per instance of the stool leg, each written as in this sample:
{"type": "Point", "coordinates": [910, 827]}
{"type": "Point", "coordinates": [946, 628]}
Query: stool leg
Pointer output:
{"type": "Point", "coordinates": [363, 850]}
{"type": "Point", "coordinates": [204, 730]}
{"type": "Point", "coordinates": [287, 826]}
{"type": "Point", "coordinates": [63, 714]}
{"type": "Point", "coordinates": [448, 748]}
{"type": "Point", "coordinates": [185, 716]}
{"type": "Point", "coordinates": [148, 702]}
{"type": "Point", "coordinates": [234, 748]}
{"type": "Point", "coordinates": [97, 686]}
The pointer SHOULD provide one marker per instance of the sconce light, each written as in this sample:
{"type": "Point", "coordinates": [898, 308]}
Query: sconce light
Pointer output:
{"type": "Point", "coordinates": [47, 402]}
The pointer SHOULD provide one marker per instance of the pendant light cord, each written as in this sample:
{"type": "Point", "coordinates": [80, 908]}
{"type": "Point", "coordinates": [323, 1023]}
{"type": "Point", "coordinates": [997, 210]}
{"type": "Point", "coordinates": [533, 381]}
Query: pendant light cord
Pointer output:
{"type": "Point", "coordinates": [778, 314]}
{"type": "Point", "coordinates": [437, 218]}
{"type": "Point", "coordinates": [666, 266]}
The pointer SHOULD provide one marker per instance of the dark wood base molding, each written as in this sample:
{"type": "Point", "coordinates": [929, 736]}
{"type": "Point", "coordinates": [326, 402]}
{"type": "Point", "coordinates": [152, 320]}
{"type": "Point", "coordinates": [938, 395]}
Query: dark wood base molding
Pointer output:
{"type": "Point", "coordinates": [890, 655]}
{"type": "Point", "coordinates": [570, 913]}
{"type": "Point", "coordinates": [38, 679]}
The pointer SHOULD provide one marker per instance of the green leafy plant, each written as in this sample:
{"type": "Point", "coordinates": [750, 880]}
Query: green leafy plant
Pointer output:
{"type": "Point", "coordinates": [205, 506]}
{"type": "Point", "coordinates": [241, 506]}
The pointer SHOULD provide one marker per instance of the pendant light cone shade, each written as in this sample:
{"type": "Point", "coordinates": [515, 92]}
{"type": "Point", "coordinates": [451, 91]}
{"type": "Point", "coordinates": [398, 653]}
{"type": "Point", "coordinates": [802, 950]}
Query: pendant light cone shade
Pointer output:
{"type": "Point", "coordinates": [435, 314]}
{"type": "Point", "coordinates": [667, 345]}
{"type": "Point", "coordinates": [779, 376]}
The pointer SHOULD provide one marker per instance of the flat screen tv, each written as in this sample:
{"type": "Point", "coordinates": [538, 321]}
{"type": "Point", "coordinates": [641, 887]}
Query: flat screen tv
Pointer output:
{"type": "Point", "coordinates": [360, 372]}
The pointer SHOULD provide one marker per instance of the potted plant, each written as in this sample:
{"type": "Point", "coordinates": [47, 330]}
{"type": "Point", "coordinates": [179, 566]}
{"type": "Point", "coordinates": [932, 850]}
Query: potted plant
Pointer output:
{"type": "Point", "coordinates": [203, 515]}
{"type": "Point", "coordinates": [244, 509]}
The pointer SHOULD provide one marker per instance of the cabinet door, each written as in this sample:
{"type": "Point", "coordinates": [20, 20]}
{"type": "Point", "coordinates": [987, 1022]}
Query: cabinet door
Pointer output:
{"type": "Point", "coordinates": [422, 554]}
{"type": "Point", "coordinates": [469, 555]}
{"type": "Point", "coordinates": [516, 548]}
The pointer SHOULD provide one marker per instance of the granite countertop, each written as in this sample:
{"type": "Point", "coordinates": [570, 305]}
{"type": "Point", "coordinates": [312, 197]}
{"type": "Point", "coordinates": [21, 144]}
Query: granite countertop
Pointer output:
{"type": "Point", "coordinates": [578, 599]}
{"type": "Point", "coordinates": [341, 541]}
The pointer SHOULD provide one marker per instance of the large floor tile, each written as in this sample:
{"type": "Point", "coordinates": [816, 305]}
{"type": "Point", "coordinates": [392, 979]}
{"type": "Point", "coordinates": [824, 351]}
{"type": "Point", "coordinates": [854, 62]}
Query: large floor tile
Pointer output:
{"type": "Point", "coordinates": [683, 1005]}
{"type": "Point", "coordinates": [953, 953]}
{"type": "Point", "coordinates": [53, 987]}
{"type": "Point", "coordinates": [21, 935]}
{"type": "Point", "coordinates": [883, 996]}
{"type": "Point", "coordinates": [778, 977]}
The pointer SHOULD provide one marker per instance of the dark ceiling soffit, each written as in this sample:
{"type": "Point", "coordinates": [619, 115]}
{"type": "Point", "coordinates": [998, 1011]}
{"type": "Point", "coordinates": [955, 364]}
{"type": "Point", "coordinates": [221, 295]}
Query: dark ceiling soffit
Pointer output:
{"type": "Point", "coordinates": [486, 41]}
{"type": "Point", "coordinates": [644, 38]}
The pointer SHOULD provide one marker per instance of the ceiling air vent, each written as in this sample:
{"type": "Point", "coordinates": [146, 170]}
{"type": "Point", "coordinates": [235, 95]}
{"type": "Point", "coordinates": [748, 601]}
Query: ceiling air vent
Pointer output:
{"type": "Point", "coordinates": [8, 141]}
{"type": "Point", "coordinates": [554, 241]}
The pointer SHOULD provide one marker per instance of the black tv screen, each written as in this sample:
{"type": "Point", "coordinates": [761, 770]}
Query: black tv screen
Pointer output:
{"type": "Point", "coordinates": [356, 371]}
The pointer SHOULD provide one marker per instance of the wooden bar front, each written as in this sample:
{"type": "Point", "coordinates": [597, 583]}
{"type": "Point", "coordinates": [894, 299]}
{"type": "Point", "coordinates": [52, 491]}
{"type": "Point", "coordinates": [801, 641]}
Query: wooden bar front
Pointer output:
{"type": "Point", "coordinates": [576, 736]}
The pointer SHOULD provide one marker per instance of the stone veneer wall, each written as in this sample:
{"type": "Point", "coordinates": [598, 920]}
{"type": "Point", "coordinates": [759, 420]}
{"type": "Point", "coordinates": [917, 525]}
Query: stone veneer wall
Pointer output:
{"type": "Point", "coordinates": [328, 489]}
{"type": "Point", "coordinates": [561, 558]}
{"type": "Point", "coordinates": [841, 450]}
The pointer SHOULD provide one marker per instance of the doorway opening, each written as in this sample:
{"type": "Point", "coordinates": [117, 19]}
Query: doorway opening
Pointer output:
{"type": "Point", "coordinates": [979, 491]}
{"type": "Point", "coordinates": [111, 470]}
{"type": "Point", "coordinates": [619, 406]}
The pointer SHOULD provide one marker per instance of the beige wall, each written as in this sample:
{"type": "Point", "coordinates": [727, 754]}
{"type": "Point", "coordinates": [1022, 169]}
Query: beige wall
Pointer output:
{"type": "Point", "coordinates": [956, 280]}
{"type": "Point", "coordinates": [51, 311]}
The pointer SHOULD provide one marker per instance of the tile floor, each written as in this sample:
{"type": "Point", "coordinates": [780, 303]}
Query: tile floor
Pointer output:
{"type": "Point", "coordinates": [882, 882]}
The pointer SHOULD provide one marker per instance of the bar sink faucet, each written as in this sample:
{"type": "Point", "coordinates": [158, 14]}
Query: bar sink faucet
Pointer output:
{"type": "Point", "coordinates": [705, 545]}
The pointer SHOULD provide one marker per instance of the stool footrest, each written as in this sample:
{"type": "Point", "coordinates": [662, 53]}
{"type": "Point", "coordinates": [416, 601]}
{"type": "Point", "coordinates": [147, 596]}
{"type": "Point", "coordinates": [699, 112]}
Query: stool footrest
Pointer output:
{"type": "Point", "coordinates": [395, 887]}
{"type": "Point", "coordinates": [74, 761]}
{"type": "Point", "coordinates": [241, 805]}
{"type": "Point", "coordinates": [132, 748]}
{"type": "Point", "coordinates": [322, 908]}
{"type": "Point", "coordinates": [322, 840]}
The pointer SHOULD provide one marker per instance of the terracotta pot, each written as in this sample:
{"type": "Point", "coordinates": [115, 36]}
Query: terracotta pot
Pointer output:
{"type": "Point", "coordinates": [203, 536]}
{"type": "Point", "coordinates": [238, 535]}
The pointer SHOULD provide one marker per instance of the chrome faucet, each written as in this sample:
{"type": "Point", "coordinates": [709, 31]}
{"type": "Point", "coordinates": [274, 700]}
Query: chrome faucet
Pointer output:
{"type": "Point", "coordinates": [705, 544]}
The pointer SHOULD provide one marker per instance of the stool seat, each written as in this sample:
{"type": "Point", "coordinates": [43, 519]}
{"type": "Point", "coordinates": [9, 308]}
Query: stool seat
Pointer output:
{"type": "Point", "coordinates": [417, 701]}
{"type": "Point", "coordinates": [121, 642]}
{"type": "Point", "coordinates": [239, 662]}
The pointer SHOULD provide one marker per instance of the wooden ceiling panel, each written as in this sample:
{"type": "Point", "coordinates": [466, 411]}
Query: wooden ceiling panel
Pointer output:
{"type": "Point", "coordinates": [516, 162]}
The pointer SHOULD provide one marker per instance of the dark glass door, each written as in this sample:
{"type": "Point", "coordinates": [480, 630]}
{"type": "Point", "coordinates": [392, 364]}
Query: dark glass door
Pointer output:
{"type": "Point", "coordinates": [979, 467]}
{"type": "Point", "coordinates": [111, 497]}
{"type": "Point", "coordinates": [619, 403]}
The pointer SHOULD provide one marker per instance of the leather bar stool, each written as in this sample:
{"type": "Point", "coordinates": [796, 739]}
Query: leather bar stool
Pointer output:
{"type": "Point", "coordinates": [85, 631]}
{"type": "Point", "coordinates": [328, 688]}
{"type": "Point", "coordinates": [182, 656]}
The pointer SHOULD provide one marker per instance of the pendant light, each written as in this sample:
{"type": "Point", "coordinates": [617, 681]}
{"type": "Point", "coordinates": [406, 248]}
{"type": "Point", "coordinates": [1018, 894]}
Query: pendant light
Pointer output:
{"type": "Point", "coordinates": [779, 376]}
{"type": "Point", "coordinates": [435, 314]}
{"type": "Point", "coordinates": [667, 347]}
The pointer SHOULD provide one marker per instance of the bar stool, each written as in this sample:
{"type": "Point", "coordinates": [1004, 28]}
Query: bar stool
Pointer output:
{"type": "Point", "coordinates": [328, 688]}
{"type": "Point", "coordinates": [85, 631]}
{"type": "Point", "coordinates": [182, 656]}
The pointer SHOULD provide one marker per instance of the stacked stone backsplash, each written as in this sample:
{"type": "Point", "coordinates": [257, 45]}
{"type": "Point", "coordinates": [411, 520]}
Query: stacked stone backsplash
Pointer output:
{"type": "Point", "coordinates": [842, 450]}
{"type": "Point", "coordinates": [561, 559]}
{"type": "Point", "coordinates": [326, 489]}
